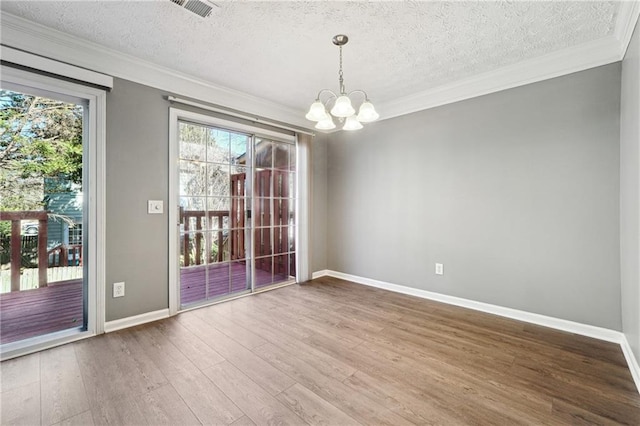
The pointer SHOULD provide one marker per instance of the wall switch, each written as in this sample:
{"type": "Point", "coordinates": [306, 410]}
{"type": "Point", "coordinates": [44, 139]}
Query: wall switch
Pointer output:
{"type": "Point", "coordinates": [439, 269]}
{"type": "Point", "coordinates": [118, 289]}
{"type": "Point", "coordinates": [155, 207]}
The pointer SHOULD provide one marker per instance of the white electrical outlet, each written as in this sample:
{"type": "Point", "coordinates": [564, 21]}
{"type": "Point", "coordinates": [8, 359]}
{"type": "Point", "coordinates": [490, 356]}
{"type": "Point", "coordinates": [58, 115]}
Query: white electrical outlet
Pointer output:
{"type": "Point", "coordinates": [118, 289]}
{"type": "Point", "coordinates": [439, 269]}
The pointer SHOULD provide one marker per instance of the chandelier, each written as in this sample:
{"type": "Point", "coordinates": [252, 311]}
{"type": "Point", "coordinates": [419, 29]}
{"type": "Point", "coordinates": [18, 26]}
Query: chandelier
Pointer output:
{"type": "Point", "coordinates": [342, 108]}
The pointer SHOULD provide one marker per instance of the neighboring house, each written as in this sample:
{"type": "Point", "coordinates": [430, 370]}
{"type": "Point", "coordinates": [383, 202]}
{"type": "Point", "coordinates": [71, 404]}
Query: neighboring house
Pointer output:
{"type": "Point", "coordinates": [63, 200]}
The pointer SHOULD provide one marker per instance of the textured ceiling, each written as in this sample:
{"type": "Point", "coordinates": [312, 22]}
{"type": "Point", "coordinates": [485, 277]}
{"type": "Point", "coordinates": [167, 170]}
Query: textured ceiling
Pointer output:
{"type": "Point", "coordinates": [282, 50]}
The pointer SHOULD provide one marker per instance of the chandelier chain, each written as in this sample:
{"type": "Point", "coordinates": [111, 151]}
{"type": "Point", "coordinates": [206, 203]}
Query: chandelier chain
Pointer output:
{"type": "Point", "coordinates": [340, 76]}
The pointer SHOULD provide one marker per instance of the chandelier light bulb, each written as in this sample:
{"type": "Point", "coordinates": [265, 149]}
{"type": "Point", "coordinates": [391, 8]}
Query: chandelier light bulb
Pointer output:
{"type": "Point", "coordinates": [352, 123]}
{"type": "Point", "coordinates": [326, 124]}
{"type": "Point", "coordinates": [317, 112]}
{"type": "Point", "coordinates": [367, 113]}
{"type": "Point", "coordinates": [343, 107]}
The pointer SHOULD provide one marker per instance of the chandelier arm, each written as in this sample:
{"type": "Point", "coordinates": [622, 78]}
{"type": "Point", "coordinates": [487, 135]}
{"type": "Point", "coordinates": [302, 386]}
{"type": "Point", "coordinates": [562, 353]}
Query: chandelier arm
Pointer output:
{"type": "Point", "coordinates": [333, 95]}
{"type": "Point", "coordinates": [329, 99]}
{"type": "Point", "coordinates": [366, 97]}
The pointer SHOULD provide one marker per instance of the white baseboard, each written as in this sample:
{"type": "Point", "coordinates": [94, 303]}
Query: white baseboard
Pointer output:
{"type": "Point", "coordinates": [600, 333]}
{"type": "Point", "coordinates": [320, 274]}
{"type": "Point", "coordinates": [631, 361]}
{"type": "Point", "coordinates": [546, 321]}
{"type": "Point", "coordinates": [135, 320]}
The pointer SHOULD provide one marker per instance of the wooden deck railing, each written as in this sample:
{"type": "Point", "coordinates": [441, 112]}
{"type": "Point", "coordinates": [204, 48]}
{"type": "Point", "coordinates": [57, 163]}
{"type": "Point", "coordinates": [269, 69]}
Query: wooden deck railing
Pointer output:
{"type": "Point", "coordinates": [198, 232]}
{"type": "Point", "coordinates": [270, 237]}
{"type": "Point", "coordinates": [16, 219]}
{"type": "Point", "coordinates": [60, 254]}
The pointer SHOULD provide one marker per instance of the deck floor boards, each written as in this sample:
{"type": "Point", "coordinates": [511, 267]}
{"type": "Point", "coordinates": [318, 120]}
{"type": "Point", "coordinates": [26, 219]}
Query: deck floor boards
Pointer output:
{"type": "Point", "coordinates": [31, 313]}
{"type": "Point", "coordinates": [326, 352]}
{"type": "Point", "coordinates": [223, 279]}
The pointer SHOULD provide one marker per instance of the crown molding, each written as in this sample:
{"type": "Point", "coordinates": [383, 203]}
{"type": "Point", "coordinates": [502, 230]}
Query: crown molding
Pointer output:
{"type": "Point", "coordinates": [566, 61]}
{"type": "Point", "coordinates": [626, 23]}
{"type": "Point", "coordinates": [562, 62]}
{"type": "Point", "coordinates": [28, 36]}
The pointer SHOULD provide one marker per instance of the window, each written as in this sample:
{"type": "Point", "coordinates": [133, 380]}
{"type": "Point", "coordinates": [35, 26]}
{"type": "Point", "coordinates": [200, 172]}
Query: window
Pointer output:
{"type": "Point", "coordinates": [75, 234]}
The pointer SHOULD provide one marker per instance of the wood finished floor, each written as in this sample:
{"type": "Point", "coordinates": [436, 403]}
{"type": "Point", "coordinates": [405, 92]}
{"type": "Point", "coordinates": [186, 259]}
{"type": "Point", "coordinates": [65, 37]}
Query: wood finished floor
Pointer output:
{"type": "Point", "coordinates": [328, 352]}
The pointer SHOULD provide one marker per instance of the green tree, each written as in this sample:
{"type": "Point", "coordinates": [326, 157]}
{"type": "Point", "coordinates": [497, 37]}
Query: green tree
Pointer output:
{"type": "Point", "coordinates": [39, 137]}
{"type": "Point", "coordinates": [199, 145]}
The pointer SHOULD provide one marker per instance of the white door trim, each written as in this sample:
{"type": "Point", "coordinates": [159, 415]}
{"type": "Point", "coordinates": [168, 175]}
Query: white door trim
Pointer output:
{"type": "Point", "coordinates": [174, 297]}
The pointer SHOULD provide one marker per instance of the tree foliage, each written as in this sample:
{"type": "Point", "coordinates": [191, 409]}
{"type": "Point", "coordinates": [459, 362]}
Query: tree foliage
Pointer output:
{"type": "Point", "coordinates": [209, 157]}
{"type": "Point", "coordinates": [39, 138]}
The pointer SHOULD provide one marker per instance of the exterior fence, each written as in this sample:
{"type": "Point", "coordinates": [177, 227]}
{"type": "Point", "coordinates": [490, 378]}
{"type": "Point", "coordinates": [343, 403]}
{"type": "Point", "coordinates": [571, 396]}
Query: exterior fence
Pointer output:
{"type": "Point", "coordinates": [29, 277]}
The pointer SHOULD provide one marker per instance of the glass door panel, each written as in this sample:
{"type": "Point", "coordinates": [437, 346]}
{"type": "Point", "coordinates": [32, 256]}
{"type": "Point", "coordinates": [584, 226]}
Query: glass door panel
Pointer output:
{"type": "Point", "coordinates": [214, 237]}
{"type": "Point", "coordinates": [274, 203]}
{"type": "Point", "coordinates": [43, 216]}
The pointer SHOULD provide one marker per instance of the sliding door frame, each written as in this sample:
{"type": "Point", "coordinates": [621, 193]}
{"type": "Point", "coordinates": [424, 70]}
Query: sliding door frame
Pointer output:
{"type": "Point", "coordinates": [94, 183]}
{"type": "Point", "coordinates": [175, 116]}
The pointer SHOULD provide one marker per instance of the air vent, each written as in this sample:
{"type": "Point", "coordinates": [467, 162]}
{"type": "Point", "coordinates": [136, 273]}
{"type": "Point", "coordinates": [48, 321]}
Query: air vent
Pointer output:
{"type": "Point", "coordinates": [201, 8]}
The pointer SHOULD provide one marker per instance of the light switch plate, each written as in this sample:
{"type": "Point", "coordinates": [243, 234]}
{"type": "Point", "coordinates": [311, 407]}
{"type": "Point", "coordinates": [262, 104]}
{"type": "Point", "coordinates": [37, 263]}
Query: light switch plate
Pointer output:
{"type": "Point", "coordinates": [156, 207]}
{"type": "Point", "coordinates": [439, 269]}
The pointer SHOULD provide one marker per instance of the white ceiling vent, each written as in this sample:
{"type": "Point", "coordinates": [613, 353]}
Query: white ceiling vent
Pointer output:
{"type": "Point", "coordinates": [199, 7]}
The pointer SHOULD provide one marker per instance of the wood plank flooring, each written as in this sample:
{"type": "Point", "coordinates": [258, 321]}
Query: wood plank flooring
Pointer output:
{"type": "Point", "coordinates": [327, 352]}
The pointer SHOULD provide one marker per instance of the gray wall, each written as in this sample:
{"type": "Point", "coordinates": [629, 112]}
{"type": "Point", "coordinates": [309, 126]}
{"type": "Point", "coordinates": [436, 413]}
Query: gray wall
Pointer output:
{"type": "Point", "coordinates": [630, 194]}
{"type": "Point", "coordinates": [137, 171]}
{"type": "Point", "coordinates": [516, 192]}
{"type": "Point", "coordinates": [319, 202]}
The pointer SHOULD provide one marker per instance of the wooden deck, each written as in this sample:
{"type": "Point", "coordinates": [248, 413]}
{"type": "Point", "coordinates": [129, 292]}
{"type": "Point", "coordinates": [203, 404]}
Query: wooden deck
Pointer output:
{"type": "Point", "coordinates": [39, 311]}
{"type": "Point", "coordinates": [30, 313]}
{"type": "Point", "coordinates": [224, 279]}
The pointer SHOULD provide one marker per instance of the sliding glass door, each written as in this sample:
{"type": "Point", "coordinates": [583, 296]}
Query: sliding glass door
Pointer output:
{"type": "Point", "coordinates": [51, 257]}
{"type": "Point", "coordinates": [236, 212]}
{"type": "Point", "coordinates": [213, 170]}
{"type": "Point", "coordinates": [42, 258]}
